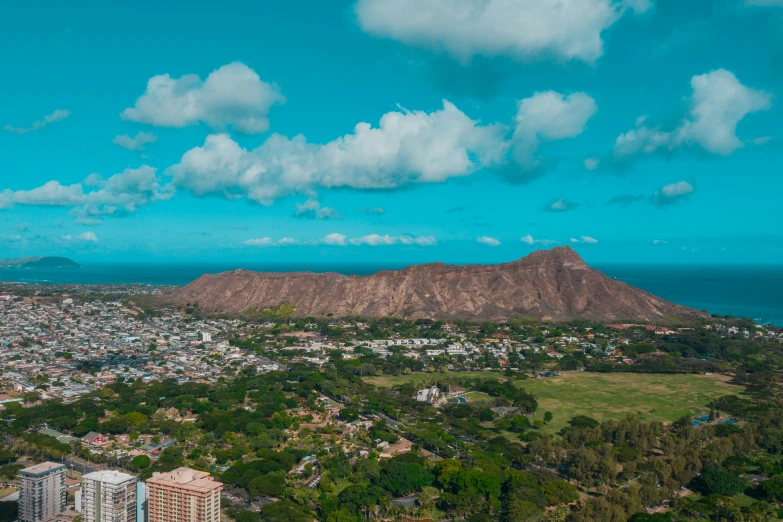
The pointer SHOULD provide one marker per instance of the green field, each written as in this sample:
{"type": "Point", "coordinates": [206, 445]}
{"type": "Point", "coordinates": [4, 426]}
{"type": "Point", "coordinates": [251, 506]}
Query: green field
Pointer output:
{"type": "Point", "coordinates": [603, 396]}
{"type": "Point", "coordinates": [426, 379]}
{"type": "Point", "coordinates": [606, 396]}
{"type": "Point", "coordinates": [476, 396]}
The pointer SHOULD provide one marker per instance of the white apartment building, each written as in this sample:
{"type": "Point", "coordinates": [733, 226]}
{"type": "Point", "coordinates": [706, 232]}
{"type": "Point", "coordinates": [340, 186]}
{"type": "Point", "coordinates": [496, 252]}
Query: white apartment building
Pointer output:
{"type": "Point", "coordinates": [109, 496]}
{"type": "Point", "coordinates": [42, 492]}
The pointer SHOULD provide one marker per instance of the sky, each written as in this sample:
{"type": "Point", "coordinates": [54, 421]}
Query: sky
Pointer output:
{"type": "Point", "coordinates": [392, 131]}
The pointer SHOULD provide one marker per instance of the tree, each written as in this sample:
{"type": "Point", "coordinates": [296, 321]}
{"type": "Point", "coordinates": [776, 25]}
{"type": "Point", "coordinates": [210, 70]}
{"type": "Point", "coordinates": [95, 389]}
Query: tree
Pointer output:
{"type": "Point", "coordinates": [267, 485]}
{"type": "Point", "coordinates": [284, 511]}
{"type": "Point", "coordinates": [400, 477]}
{"type": "Point", "coordinates": [140, 462]}
{"type": "Point", "coordinates": [773, 488]}
{"type": "Point", "coordinates": [559, 492]}
{"type": "Point", "coordinates": [548, 416]}
{"type": "Point", "coordinates": [721, 481]}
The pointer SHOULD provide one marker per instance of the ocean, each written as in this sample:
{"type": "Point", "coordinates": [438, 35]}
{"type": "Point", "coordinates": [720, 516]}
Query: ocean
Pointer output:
{"type": "Point", "coordinates": [751, 291]}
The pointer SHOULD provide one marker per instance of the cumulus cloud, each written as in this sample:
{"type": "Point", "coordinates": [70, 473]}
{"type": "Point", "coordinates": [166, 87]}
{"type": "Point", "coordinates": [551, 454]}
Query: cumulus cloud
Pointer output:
{"type": "Point", "coordinates": [560, 205]}
{"type": "Point", "coordinates": [530, 240]}
{"type": "Point", "coordinates": [87, 237]}
{"type": "Point", "coordinates": [312, 209]}
{"type": "Point", "coordinates": [232, 95]}
{"type": "Point", "coordinates": [623, 200]}
{"type": "Point", "coordinates": [672, 193]}
{"type": "Point", "coordinates": [334, 239]}
{"type": "Point", "coordinates": [520, 29]}
{"type": "Point", "coordinates": [659, 242]}
{"type": "Point", "coordinates": [120, 194]}
{"type": "Point", "coordinates": [378, 240]}
{"type": "Point", "coordinates": [406, 147]}
{"type": "Point", "coordinates": [268, 242]}
{"type": "Point", "coordinates": [377, 211]}
{"type": "Point", "coordinates": [57, 115]}
{"type": "Point", "coordinates": [585, 239]}
{"type": "Point", "coordinates": [137, 142]}
{"type": "Point", "coordinates": [664, 196]}
{"type": "Point", "coordinates": [717, 104]}
{"type": "Point", "coordinates": [489, 241]}
{"type": "Point", "coordinates": [548, 116]}
{"type": "Point", "coordinates": [592, 163]}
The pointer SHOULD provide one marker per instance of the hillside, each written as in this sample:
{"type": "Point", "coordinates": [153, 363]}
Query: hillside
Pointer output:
{"type": "Point", "coordinates": [548, 284]}
{"type": "Point", "coordinates": [39, 262]}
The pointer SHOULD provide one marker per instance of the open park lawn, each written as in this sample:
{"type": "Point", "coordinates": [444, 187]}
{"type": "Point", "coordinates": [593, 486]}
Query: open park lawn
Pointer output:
{"type": "Point", "coordinates": [427, 379]}
{"type": "Point", "coordinates": [605, 396]}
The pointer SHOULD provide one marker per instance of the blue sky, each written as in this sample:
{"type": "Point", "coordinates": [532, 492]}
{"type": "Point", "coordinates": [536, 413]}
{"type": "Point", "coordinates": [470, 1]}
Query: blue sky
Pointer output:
{"type": "Point", "coordinates": [392, 130]}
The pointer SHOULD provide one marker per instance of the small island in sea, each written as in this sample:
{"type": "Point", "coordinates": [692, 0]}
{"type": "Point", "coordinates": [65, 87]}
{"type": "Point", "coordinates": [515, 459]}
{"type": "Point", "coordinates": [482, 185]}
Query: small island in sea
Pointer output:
{"type": "Point", "coordinates": [39, 262]}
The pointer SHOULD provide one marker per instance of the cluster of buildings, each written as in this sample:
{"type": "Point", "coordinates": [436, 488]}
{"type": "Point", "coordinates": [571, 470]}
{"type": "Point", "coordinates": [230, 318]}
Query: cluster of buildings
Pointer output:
{"type": "Point", "coordinates": [182, 495]}
{"type": "Point", "coordinates": [64, 348]}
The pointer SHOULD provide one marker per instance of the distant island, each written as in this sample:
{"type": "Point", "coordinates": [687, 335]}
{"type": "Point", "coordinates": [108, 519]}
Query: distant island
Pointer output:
{"type": "Point", "coordinates": [39, 262]}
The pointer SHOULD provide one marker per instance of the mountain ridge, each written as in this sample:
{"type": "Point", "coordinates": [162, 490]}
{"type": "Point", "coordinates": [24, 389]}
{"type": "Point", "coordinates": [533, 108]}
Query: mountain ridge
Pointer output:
{"type": "Point", "coordinates": [553, 284]}
{"type": "Point", "coordinates": [39, 262]}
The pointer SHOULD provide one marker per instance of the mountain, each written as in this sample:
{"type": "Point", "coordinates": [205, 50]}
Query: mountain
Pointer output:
{"type": "Point", "coordinates": [551, 284]}
{"type": "Point", "coordinates": [39, 262]}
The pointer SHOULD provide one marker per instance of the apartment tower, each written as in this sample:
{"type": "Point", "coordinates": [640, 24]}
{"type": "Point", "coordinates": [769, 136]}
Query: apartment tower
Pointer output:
{"type": "Point", "coordinates": [42, 492]}
{"type": "Point", "coordinates": [184, 495]}
{"type": "Point", "coordinates": [109, 496]}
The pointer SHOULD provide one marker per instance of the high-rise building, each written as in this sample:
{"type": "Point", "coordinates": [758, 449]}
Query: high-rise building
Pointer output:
{"type": "Point", "coordinates": [184, 495]}
{"type": "Point", "coordinates": [42, 493]}
{"type": "Point", "coordinates": [142, 502]}
{"type": "Point", "coordinates": [109, 496]}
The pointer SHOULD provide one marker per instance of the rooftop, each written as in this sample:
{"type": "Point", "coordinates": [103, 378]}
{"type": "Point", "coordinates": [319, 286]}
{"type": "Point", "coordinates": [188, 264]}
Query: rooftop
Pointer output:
{"type": "Point", "coordinates": [42, 468]}
{"type": "Point", "coordinates": [186, 478]}
{"type": "Point", "coordinates": [109, 477]}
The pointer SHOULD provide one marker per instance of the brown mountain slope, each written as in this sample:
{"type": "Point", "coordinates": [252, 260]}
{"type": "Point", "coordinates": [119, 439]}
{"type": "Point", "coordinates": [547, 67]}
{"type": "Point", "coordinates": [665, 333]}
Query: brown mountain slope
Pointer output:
{"type": "Point", "coordinates": [548, 284]}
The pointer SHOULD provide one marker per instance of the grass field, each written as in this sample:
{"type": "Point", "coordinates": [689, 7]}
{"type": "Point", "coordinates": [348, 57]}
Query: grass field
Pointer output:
{"type": "Point", "coordinates": [4, 492]}
{"type": "Point", "coordinates": [476, 396]}
{"type": "Point", "coordinates": [425, 379]}
{"type": "Point", "coordinates": [606, 396]}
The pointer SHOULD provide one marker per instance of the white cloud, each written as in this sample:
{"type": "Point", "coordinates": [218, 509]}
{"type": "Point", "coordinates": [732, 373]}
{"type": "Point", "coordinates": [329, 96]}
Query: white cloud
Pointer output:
{"type": "Point", "coordinates": [489, 241]}
{"type": "Point", "coordinates": [659, 242]}
{"type": "Point", "coordinates": [420, 241]}
{"type": "Point", "coordinates": [530, 240]}
{"type": "Point", "coordinates": [232, 95]}
{"type": "Point", "coordinates": [673, 190]}
{"type": "Point", "coordinates": [378, 240]}
{"type": "Point", "coordinates": [762, 140]}
{"type": "Point", "coordinates": [268, 241]}
{"type": "Point", "coordinates": [87, 237]}
{"type": "Point", "coordinates": [120, 194]}
{"type": "Point", "coordinates": [672, 193]}
{"type": "Point", "coordinates": [548, 116]}
{"type": "Point", "coordinates": [520, 29]}
{"type": "Point", "coordinates": [57, 115]}
{"type": "Point", "coordinates": [406, 147]}
{"type": "Point", "coordinates": [592, 163]}
{"type": "Point", "coordinates": [334, 239]}
{"type": "Point", "coordinates": [718, 103]}
{"type": "Point", "coordinates": [374, 240]}
{"type": "Point", "coordinates": [378, 211]}
{"type": "Point", "coordinates": [138, 142]}
{"type": "Point", "coordinates": [382, 240]}
{"type": "Point", "coordinates": [312, 209]}
{"type": "Point", "coordinates": [585, 239]}
{"type": "Point", "coordinates": [560, 205]}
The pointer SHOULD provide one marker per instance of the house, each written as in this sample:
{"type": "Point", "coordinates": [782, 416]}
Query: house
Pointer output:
{"type": "Point", "coordinates": [428, 394]}
{"type": "Point", "coordinates": [94, 439]}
